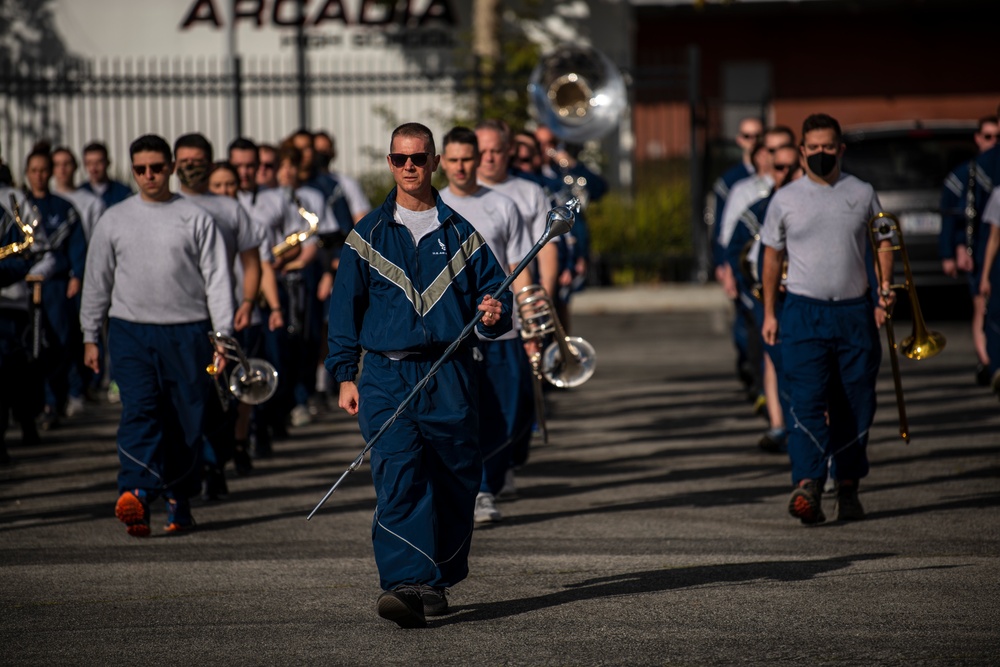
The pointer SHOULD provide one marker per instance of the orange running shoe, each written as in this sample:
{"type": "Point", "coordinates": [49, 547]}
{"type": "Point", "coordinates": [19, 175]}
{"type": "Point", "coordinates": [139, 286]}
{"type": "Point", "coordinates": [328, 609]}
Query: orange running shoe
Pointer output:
{"type": "Point", "coordinates": [133, 510]}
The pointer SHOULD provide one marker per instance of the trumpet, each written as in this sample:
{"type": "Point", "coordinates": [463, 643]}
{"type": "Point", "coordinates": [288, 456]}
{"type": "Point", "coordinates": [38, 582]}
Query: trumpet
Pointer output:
{"type": "Point", "coordinates": [28, 230]}
{"type": "Point", "coordinates": [568, 361]}
{"type": "Point", "coordinates": [253, 381]}
{"type": "Point", "coordinates": [293, 240]}
{"type": "Point", "coordinates": [921, 343]}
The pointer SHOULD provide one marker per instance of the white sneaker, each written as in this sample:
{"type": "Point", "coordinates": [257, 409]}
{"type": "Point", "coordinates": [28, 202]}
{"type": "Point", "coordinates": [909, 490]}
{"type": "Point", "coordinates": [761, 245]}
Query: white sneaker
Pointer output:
{"type": "Point", "coordinates": [74, 406]}
{"type": "Point", "coordinates": [486, 509]}
{"type": "Point", "coordinates": [509, 489]}
{"type": "Point", "coordinates": [300, 415]}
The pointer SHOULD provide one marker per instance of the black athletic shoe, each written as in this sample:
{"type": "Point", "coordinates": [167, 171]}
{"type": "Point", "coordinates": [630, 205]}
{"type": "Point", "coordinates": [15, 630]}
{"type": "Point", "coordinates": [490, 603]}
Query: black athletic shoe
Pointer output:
{"type": "Point", "coordinates": [435, 601]}
{"type": "Point", "coordinates": [403, 606]}
{"type": "Point", "coordinates": [241, 458]}
{"type": "Point", "coordinates": [213, 484]}
{"type": "Point", "coordinates": [848, 506]}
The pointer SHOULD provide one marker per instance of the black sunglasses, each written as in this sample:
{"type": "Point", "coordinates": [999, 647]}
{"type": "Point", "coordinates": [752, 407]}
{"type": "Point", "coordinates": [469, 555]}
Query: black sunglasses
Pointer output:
{"type": "Point", "coordinates": [418, 159]}
{"type": "Point", "coordinates": [989, 137]}
{"type": "Point", "coordinates": [783, 167]}
{"type": "Point", "coordinates": [155, 168]}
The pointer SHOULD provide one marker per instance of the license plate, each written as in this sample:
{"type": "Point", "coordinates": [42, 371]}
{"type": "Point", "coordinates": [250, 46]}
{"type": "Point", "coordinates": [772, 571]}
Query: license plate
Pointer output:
{"type": "Point", "coordinates": [926, 222]}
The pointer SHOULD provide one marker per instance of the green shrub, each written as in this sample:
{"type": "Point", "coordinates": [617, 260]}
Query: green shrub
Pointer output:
{"type": "Point", "coordinates": [643, 239]}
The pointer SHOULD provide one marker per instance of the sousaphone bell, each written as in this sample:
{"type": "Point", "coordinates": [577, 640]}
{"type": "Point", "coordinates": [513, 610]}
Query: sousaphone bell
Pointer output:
{"type": "Point", "coordinates": [578, 93]}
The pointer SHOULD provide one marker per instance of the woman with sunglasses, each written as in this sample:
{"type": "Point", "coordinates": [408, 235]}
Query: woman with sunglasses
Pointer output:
{"type": "Point", "coordinates": [157, 269]}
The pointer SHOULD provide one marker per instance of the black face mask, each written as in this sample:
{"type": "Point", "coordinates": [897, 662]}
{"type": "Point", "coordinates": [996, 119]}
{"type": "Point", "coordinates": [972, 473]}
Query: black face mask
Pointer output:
{"type": "Point", "coordinates": [822, 164]}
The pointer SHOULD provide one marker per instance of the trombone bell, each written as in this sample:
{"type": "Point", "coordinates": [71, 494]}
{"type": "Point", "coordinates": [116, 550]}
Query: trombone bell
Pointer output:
{"type": "Point", "coordinates": [568, 361]}
{"type": "Point", "coordinates": [252, 381]}
{"type": "Point", "coordinates": [922, 343]}
{"type": "Point", "coordinates": [254, 385]}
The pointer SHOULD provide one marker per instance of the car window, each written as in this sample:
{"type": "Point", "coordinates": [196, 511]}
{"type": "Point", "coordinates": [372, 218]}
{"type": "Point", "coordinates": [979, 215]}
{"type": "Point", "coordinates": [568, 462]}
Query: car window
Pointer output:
{"type": "Point", "coordinates": [915, 160]}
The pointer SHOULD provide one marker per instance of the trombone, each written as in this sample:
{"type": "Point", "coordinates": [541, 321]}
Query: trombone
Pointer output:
{"type": "Point", "coordinates": [568, 361]}
{"type": "Point", "coordinates": [253, 381]}
{"type": "Point", "coordinates": [921, 343]}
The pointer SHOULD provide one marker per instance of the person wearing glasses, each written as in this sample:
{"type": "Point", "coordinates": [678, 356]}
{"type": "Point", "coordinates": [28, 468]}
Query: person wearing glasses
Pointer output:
{"type": "Point", "coordinates": [744, 254]}
{"type": "Point", "coordinates": [829, 324]}
{"type": "Point", "coordinates": [749, 133]}
{"type": "Point", "coordinates": [157, 269]}
{"type": "Point", "coordinates": [742, 195]}
{"type": "Point", "coordinates": [412, 274]}
{"type": "Point", "coordinates": [961, 218]}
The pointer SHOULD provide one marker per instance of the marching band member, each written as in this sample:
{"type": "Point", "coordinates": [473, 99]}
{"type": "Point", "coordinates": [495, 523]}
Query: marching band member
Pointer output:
{"type": "Point", "coordinates": [494, 141]}
{"type": "Point", "coordinates": [21, 389]}
{"type": "Point", "coordinates": [962, 240]}
{"type": "Point", "coordinates": [410, 278]}
{"type": "Point", "coordinates": [991, 275]}
{"type": "Point", "coordinates": [829, 335]}
{"type": "Point", "coordinates": [242, 239]}
{"type": "Point", "coordinates": [96, 163]}
{"type": "Point", "coordinates": [63, 383]}
{"type": "Point", "coordinates": [276, 211]}
{"type": "Point", "coordinates": [157, 268]}
{"type": "Point", "coordinates": [505, 377]}
{"type": "Point", "coordinates": [750, 132]}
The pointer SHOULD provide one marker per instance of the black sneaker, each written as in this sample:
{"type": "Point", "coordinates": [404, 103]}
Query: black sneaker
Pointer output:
{"type": "Point", "coordinates": [241, 458]}
{"type": "Point", "coordinates": [403, 606]}
{"type": "Point", "coordinates": [805, 503]}
{"type": "Point", "coordinates": [848, 506]}
{"type": "Point", "coordinates": [213, 484]}
{"type": "Point", "coordinates": [435, 601]}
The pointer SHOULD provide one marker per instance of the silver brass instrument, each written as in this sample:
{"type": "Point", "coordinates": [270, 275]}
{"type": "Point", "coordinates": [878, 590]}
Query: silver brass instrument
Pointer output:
{"type": "Point", "coordinates": [294, 240]}
{"type": "Point", "coordinates": [921, 343]}
{"type": "Point", "coordinates": [568, 361]}
{"type": "Point", "coordinates": [578, 93]}
{"type": "Point", "coordinates": [253, 381]}
{"type": "Point", "coordinates": [27, 229]}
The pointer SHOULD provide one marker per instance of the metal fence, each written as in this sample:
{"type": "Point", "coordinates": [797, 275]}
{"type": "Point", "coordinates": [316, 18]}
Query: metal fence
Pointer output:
{"type": "Point", "coordinates": [115, 100]}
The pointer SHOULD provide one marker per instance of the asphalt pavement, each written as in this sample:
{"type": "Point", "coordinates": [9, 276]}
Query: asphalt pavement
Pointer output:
{"type": "Point", "coordinates": [651, 530]}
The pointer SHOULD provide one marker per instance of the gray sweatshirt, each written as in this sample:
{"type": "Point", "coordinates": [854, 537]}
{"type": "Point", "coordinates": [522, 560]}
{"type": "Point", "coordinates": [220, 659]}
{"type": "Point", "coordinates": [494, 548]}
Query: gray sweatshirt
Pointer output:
{"type": "Point", "coordinates": [156, 263]}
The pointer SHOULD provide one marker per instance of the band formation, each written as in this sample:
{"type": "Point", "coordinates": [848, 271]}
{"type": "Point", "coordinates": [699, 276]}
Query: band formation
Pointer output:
{"type": "Point", "coordinates": [270, 256]}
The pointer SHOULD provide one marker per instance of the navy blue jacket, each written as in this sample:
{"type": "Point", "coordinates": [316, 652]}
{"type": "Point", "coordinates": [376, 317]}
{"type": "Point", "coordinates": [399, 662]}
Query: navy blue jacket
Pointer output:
{"type": "Point", "coordinates": [391, 296]}
{"type": "Point", "coordinates": [66, 239]}
{"type": "Point", "coordinates": [721, 190]}
{"type": "Point", "coordinates": [115, 193]}
{"type": "Point", "coordinates": [14, 268]}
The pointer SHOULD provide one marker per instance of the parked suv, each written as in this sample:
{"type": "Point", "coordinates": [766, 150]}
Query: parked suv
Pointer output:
{"type": "Point", "coordinates": [907, 164]}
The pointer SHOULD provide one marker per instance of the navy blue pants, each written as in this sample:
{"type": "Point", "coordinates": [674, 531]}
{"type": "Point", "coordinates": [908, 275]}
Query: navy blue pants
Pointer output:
{"type": "Point", "coordinates": [426, 468]}
{"type": "Point", "coordinates": [160, 370]}
{"type": "Point", "coordinates": [506, 407]}
{"type": "Point", "coordinates": [992, 324]}
{"type": "Point", "coordinates": [63, 315]}
{"type": "Point", "coordinates": [830, 359]}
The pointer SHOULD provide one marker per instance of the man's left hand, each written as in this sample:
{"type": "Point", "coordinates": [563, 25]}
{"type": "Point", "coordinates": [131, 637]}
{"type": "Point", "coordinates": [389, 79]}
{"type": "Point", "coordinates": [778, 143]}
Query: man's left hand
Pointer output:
{"type": "Point", "coordinates": [491, 310]}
